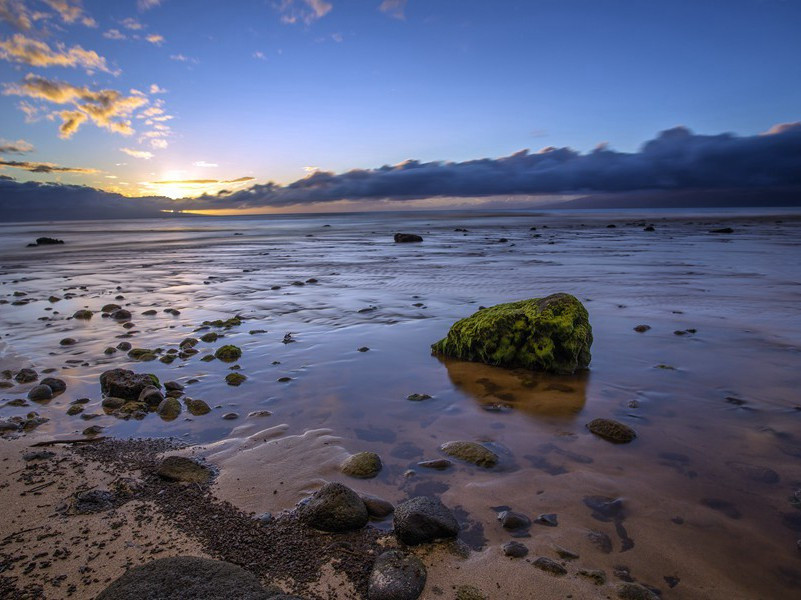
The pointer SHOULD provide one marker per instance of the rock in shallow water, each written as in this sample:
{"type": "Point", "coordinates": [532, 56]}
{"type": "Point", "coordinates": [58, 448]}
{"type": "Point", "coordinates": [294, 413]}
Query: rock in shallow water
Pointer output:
{"type": "Point", "coordinates": [424, 519]}
{"type": "Point", "coordinates": [405, 238]}
{"type": "Point", "coordinates": [514, 550]}
{"type": "Point", "coordinates": [396, 576]}
{"type": "Point", "coordinates": [471, 452]}
{"type": "Point", "coordinates": [611, 430]}
{"type": "Point", "coordinates": [125, 384]}
{"type": "Point", "coordinates": [334, 507]}
{"type": "Point", "coordinates": [185, 577]}
{"type": "Point", "coordinates": [40, 392]}
{"type": "Point", "coordinates": [363, 465]}
{"type": "Point", "coordinates": [547, 334]}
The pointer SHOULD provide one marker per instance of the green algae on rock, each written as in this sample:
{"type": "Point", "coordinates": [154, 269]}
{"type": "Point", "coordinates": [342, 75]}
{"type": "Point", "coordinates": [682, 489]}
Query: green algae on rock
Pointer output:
{"type": "Point", "coordinates": [544, 334]}
{"type": "Point", "coordinates": [228, 353]}
{"type": "Point", "coordinates": [363, 465]}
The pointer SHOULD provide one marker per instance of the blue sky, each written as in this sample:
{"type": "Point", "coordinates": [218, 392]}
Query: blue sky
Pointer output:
{"type": "Point", "coordinates": [269, 89]}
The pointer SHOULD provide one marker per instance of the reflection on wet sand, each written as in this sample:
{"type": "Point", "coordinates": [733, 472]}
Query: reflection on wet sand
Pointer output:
{"type": "Point", "coordinates": [533, 393]}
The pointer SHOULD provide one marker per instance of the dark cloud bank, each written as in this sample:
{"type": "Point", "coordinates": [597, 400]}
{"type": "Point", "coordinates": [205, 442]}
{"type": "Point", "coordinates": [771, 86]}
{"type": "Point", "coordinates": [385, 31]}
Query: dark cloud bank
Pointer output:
{"type": "Point", "coordinates": [677, 168]}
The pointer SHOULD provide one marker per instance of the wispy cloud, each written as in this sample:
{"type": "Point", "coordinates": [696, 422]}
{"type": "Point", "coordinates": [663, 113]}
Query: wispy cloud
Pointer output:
{"type": "Point", "coordinates": [302, 11]}
{"type": "Point", "coordinates": [259, 55]}
{"type": "Point", "coordinates": [394, 8]}
{"type": "Point", "coordinates": [106, 108]}
{"type": "Point", "coordinates": [37, 167]}
{"type": "Point", "coordinates": [155, 89]}
{"type": "Point", "coordinates": [114, 34]}
{"type": "Point", "coordinates": [201, 181]}
{"type": "Point", "coordinates": [155, 38]}
{"type": "Point", "coordinates": [144, 154]}
{"type": "Point", "coordinates": [132, 24]}
{"type": "Point", "coordinates": [16, 14]}
{"type": "Point", "coordinates": [71, 11]}
{"type": "Point", "coordinates": [203, 163]}
{"type": "Point", "coordinates": [147, 4]}
{"type": "Point", "coordinates": [183, 58]}
{"type": "Point", "coordinates": [18, 147]}
{"type": "Point", "coordinates": [22, 49]}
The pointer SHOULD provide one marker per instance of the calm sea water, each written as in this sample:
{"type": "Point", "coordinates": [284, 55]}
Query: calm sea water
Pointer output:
{"type": "Point", "coordinates": [706, 486]}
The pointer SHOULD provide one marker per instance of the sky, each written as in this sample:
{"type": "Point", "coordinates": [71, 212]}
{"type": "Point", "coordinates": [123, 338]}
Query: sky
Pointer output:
{"type": "Point", "coordinates": [274, 104]}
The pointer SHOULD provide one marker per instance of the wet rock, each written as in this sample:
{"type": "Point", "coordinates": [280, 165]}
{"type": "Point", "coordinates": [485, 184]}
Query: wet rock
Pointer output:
{"type": "Point", "coordinates": [597, 576]}
{"type": "Point", "coordinates": [40, 393]}
{"type": "Point", "coordinates": [149, 313]}
{"type": "Point", "coordinates": [38, 455]}
{"type": "Point", "coordinates": [335, 508]}
{"type": "Point", "coordinates": [722, 230]}
{"type": "Point", "coordinates": [93, 501]}
{"type": "Point", "coordinates": [57, 385]}
{"type": "Point", "coordinates": [635, 591]}
{"type": "Point", "coordinates": [188, 343]}
{"type": "Point", "coordinates": [548, 334]}
{"type": "Point", "coordinates": [125, 384]}
{"type": "Point", "coordinates": [26, 376]}
{"type": "Point", "coordinates": [549, 566]}
{"type": "Point", "coordinates": [396, 576]}
{"type": "Point", "coordinates": [209, 337]}
{"type": "Point", "coordinates": [142, 354]}
{"type": "Point", "coordinates": [471, 452]}
{"type": "Point", "coordinates": [363, 465]}
{"type": "Point", "coordinates": [169, 409]}
{"type": "Point", "coordinates": [259, 413]}
{"type": "Point", "coordinates": [124, 346]}
{"type": "Point", "coordinates": [612, 431]}
{"type": "Point", "coordinates": [232, 416]}
{"type": "Point", "coordinates": [514, 550]}
{"type": "Point", "coordinates": [565, 553]}
{"type": "Point", "coordinates": [548, 519]}
{"type": "Point", "coordinates": [92, 430]}
{"type": "Point", "coordinates": [180, 468]}
{"type": "Point", "coordinates": [649, 228]}
{"type": "Point", "coordinates": [363, 349]}
{"type": "Point", "coordinates": [75, 409]}
{"type": "Point", "coordinates": [235, 379]}
{"type": "Point", "coordinates": [121, 315]}
{"type": "Point", "coordinates": [7, 425]}
{"type": "Point", "coordinates": [424, 519]}
{"type": "Point", "coordinates": [405, 238]}
{"type": "Point", "coordinates": [418, 397]}
{"type": "Point", "coordinates": [197, 407]}
{"type": "Point", "coordinates": [46, 241]}
{"type": "Point", "coordinates": [513, 520]}
{"type": "Point", "coordinates": [440, 464]}
{"type": "Point", "coordinates": [228, 353]}
{"type": "Point", "coordinates": [642, 328]}
{"type": "Point", "coordinates": [110, 308]}
{"type": "Point", "coordinates": [151, 396]}
{"type": "Point", "coordinates": [377, 508]}
{"type": "Point", "coordinates": [68, 342]}
{"type": "Point", "coordinates": [112, 403]}
{"type": "Point", "coordinates": [185, 577]}
{"type": "Point", "coordinates": [82, 314]}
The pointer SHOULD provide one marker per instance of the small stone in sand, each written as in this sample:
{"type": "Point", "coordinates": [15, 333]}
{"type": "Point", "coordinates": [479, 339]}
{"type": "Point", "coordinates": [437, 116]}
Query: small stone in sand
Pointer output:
{"type": "Point", "coordinates": [549, 566]}
{"type": "Point", "coordinates": [635, 591]}
{"type": "Point", "coordinates": [513, 520]}
{"type": "Point", "coordinates": [180, 468]}
{"type": "Point", "coordinates": [514, 550]}
{"type": "Point", "coordinates": [597, 576]}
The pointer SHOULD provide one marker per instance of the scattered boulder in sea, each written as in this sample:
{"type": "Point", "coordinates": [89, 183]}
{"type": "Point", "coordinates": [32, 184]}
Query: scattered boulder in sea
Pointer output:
{"type": "Point", "coordinates": [112, 403]}
{"type": "Point", "coordinates": [180, 468]}
{"type": "Point", "coordinates": [151, 395]}
{"type": "Point", "coordinates": [722, 230]}
{"type": "Point", "coordinates": [40, 393]}
{"type": "Point", "coordinates": [172, 386]}
{"type": "Point", "coordinates": [642, 328]}
{"type": "Point", "coordinates": [228, 353]}
{"type": "Point", "coordinates": [121, 314]}
{"type": "Point", "coordinates": [514, 550]}
{"type": "Point", "coordinates": [68, 341]}
{"type": "Point", "coordinates": [363, 465]}
{"type": "Point", "coordinates": [549, 566]}
{"type": "Point", "coordinates": [235, 379]}
{"type": "Point", "coordinates": [335, 508]}
{"type": "Point", "coordinates": [197, 407]}
{"type": "Point", "coordinates": [55, 384]}
{"type": "Point", "coordinates": [122, 383]}
{"type": "Point", "coordinates": [26, 376]}
{"type": "Point", "coordinates": [471, 452]}
{"type": "Point", "coordinates": [418, 397]}
{"type": "Point", "coordinates": [439, 464]}
{"type": "Point", "coordinates": [45, 241]}
{"type": "Point", "coordinates": [405, 238]}
{"type": "Point", "coordinates": [169, 409]}
{"type": "Point", "coordinates": [183, 577]}
{"type": "Point", "coordinates": [82, 314]}
{"type": "Point", "coordinates": [550, 334]}
{"type": "Point", "coordinates": [612, 430]}
{"type": "Point", "coordinates": [424, 519]}
{"type": "Point", "coordinates": [110, 308]}
{"type": "Point", "coordinates": [396, 576]}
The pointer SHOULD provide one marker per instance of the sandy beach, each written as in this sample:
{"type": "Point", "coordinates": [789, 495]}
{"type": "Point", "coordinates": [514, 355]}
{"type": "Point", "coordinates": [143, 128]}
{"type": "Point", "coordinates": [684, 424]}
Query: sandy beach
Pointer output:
{"type": "Point", "coordinates": [335, 327]}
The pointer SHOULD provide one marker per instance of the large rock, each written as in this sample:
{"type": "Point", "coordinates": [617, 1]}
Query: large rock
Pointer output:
{"type": "Point", "coordinates": [546, 334]}
{"type": "Point", "coordinates": [40, 393]}
{"type": "Point", "coordinates": [125, 384]}
{"type": "Point", "coordinates": [471, 452]}
{"type": "Point", "coordinates": [57, 385]}
{"type": "Point", "coordinates": [169, 409]}
{"type": "Point", "coordinates": [334, 507]}
{"type": "Point", "coordinates": [186, 578]}
{"type": "Point", "coordinates": [396, 576]}
{"type": "Point", "coordinates": [424, 519]}
{"type": "Point", "coordinates": [180, 468]}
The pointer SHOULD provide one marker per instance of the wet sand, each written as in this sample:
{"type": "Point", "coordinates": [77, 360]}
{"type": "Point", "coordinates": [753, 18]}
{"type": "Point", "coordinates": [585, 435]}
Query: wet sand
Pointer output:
{"type": "Point", "coordinates": [705, 488]}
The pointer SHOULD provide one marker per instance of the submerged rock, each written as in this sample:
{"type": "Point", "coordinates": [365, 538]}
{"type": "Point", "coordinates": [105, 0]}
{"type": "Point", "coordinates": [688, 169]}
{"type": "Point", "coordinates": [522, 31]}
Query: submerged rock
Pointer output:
{"type": "Point", "coordinates": [334, 507]}
{"type": "Point", "coordinates": [184, 577]}
{"type": "Point", "coordinates": [180, 468]}
{"type": "Point", "coordinates": [396, 576]}
{"type": "Point", "coordinates": [611, 430]}
{"type": "Point", "coordinates": [549, 334]}
{"type": "Point", "coordinates": [471, 452]}
{"type": "Point", "coordinates": [82, 314]}
{"type": "Point", "coordinates": [363, 465]}
{"type": "Point", "coordinates": [424, 519]}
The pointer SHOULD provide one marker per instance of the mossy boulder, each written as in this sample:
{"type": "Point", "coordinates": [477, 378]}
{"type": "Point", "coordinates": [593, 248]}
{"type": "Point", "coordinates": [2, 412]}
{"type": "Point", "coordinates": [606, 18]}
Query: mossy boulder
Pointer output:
{"type": "Point", "coordinates": [550, 334]}
{"type": "Point", "coordinates": [471, 452]}
{"type": "Point", "coordinates": [228, 353]}
{"type": "Point", "coordinates": [235, 379]}
{"type": "Point", "coordinates": [169, 409]}
{"type": "Point", "coordinates": [363, 465]}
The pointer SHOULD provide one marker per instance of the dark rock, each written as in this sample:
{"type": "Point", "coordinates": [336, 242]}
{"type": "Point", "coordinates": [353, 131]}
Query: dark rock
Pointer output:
{"type": "Point", "coordinates": [440, 464]}
{"type": "Point", "coordinates": [169, 409]}
{"type": "Point", "coordinates": [396, 576]}
{"type": "Point", "coordinates": [235, 379]}
{"type": "Point", "coordinates": [232, 416]}
{"type": "Point", "coordinates": [26, 376]}
{"type": "Point", "coordinates": [403, 238]}
{"type": "Point", "coordinates": [82, 314]}
{"type": "Point", "coordinates": [548, 519]}
{"type": "Point", "coordinates": [424, 519]}
{"type": "Point", "coordinates": [228, 353]}
{"type": "Point", "coordinates": [334, 507]}
{"type": "Point", "coordinates": [597, 576]}
{"type": "Point", "coordinates": [68, 342]}
{"type": "Point", "coordinates": [40, 392]}
{"type": "Point", "coordinates": [186, 578]}
{"type": "Point", "coordinates": [57, 385]}
{"type": "Point", "coordinates": [514, 550]}
{"type": "Point", "coordinates": [92, 501]}
{"type": "Point", "coordinates": [75, 409]}
{"type": "Point", "coordinates": [418, 397]}
{"type": "Point", "coordinates": [549, 566]}
{"type": "Point", "coordinates": [197, 407]}
{"type": "Point", "coordinates": [121, 315]}
{"type": "Point", "coordinates": [565, 553]}
{"type": "Point", "coordinates": [112, 403]}
{"type": "Point", "coordinates": [513, 520]}
{"type": "Point", "coordinates": [124, 346]}
{"type": "Point", "coordinates": [649, 228]}
{"type": "Point", "coordinates": [642, 328]}
{"type": "Point", "coordinates": [38, 455]}
{"type": "Point", "coordinates": [377, 507]}
{"type": "Point", "coordinates": [612, 431]}
{"type": "Point", "coordinates": [635, 591]}
{"type": "Point", "coordinates": [122, 383]}
{"type": "Point", "coordinates": [722, 230]}
{"type": "Point", "coordinates": [151, 396]}
{"type": "Point", "coordinates": [363, 465]}
{"type": "Point", "coordinates": [548, 334]}
{"type": "Point", "coordinates": [46, 241]}
{"type": "Point", "coordinates": [180, 468]}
